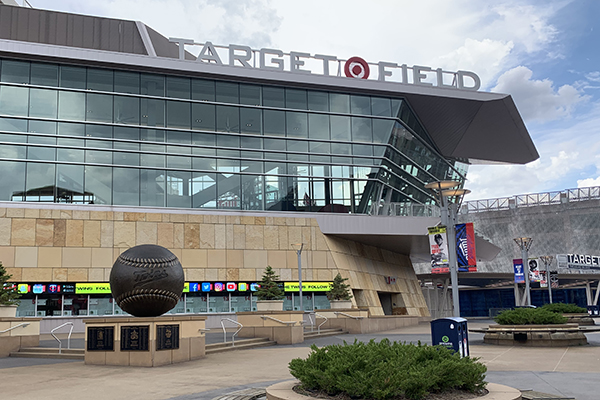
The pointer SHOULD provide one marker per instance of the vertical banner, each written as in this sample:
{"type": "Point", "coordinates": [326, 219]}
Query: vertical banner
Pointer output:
{"type": "Point", "coordinates": [518, 267]}
{"type": "Point", "coordinates": [534, 270]}
{"type": "Point", "coordinates": [438, 243]}
{"type": "Point", "coordinates": [554, 279]}
{"type": "Point", "coordinates": [543, 279]}
{"type": "Point", "coordinates": [465, 247]}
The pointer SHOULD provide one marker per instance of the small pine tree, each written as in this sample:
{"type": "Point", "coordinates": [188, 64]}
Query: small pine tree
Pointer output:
{"type": "Point", "coordinates": [339, 290]}
{"type": "Point", "coordinates": [8, 293]}
{"type": "Point", "coordinates": [269, 289]}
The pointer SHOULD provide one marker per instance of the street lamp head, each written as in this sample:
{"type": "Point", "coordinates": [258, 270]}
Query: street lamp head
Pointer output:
{"type": "Point", "coordinates": [297, 246]}
{"type": "Point", "coordinates": [547, 260]}
{"type": "Point", "coordinates": [455, 192]}
{"type": "Point", "coordinates": [442, 185]}
{"type": "Point", "coordinates": [524, 243]}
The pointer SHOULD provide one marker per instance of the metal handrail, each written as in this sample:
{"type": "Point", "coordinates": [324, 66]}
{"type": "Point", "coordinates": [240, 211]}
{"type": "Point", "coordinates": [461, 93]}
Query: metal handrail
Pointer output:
{"type": "Point", "coordinates": [225, 332]}
{"type": "Point", "coordinates": [312, 324]}
{"type": "Point", "coordinates": [319, 327]}
{"type": "Point", "coordinates": [347, 315]}
{"type": "Point", "coordinates": [21, 325]}
{"type": "Point", "coordinates": [68, 338]}
{"type": "Point", "coordinates": [278, 320]}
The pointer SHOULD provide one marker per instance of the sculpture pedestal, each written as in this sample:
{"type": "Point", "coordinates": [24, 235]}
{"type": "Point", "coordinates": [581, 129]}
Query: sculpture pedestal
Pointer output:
{"type": "Point", "coordinates": [144, 342]}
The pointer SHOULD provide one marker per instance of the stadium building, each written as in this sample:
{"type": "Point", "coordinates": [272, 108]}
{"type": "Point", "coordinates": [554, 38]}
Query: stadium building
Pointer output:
{"type": "Point", "coordinates": [113, 135]}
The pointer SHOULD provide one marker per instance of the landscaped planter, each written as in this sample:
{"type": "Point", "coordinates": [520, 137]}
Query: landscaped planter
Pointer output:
{"type": "Point", "coordinates": [534, 335]}
{"type": "Point", "coordinates": [8, 311]}
{"type": "Point", "coordinates": [340, 304]}
{"type": "Point", "coordinates": [583, 319]}
{"type": "Point", "coordinates": [269, 305]}
{"type": "Point", "coordinates": [284, 391]}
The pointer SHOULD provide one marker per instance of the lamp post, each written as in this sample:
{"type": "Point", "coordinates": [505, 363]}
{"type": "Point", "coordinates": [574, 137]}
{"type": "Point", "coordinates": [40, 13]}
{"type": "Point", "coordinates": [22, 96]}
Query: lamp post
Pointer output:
{"type": "Point", "coordinates": [524, 244]}
{"type": "Point", "coordinates": [547, 260]}
{"type": "Point", "coordinates": [444, 189]}
{"type": "Point", "coordinates": [299, 253]}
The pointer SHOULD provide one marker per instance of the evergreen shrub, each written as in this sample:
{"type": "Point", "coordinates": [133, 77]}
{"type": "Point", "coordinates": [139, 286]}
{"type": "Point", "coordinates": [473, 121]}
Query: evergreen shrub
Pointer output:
{"type": "Point", "coordinates": [8, 293]}
{"type": "Point", "coordinates": [269, 288]}
{"type": "Point", "coordinates": [529, 316]}
{"type": "Point", "coordinates": [563, 308]}
{"type": "Point", "coordinates": [387, 370]}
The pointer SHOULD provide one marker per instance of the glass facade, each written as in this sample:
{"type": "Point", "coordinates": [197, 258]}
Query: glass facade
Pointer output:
{"type": "Point", "coordinates": [98, 136]}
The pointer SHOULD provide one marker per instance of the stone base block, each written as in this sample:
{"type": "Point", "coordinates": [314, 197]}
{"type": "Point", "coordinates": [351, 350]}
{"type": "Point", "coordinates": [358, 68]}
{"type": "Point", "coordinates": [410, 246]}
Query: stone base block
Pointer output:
{"type": "Point", "coordinates": [144, 342]}
{"type": "Point", "coordinates": [20, 332]}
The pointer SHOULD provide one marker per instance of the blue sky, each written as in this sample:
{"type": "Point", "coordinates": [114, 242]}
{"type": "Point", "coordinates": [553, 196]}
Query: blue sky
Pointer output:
{"type": "Point", "coordinates": [544, 53]}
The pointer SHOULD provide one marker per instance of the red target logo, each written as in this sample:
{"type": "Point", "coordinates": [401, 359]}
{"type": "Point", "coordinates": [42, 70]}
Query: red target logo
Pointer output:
{"type": "Point", "coordinates": [356, 67]}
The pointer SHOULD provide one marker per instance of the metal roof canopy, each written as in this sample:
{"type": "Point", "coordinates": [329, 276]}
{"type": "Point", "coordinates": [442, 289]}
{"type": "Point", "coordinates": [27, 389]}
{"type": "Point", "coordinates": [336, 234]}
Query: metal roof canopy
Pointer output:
{"type": "Point", "coordinates": [499, 280]}
{"type": "Point", "coordinates": [476, 126]}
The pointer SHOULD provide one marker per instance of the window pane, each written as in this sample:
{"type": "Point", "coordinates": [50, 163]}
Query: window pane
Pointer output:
{"type": "Point", "coordinates": [178, 114]}
{"type": "Point", "coordinates": [69, 183]}
{"type": "Point", "coordinates": [318, 101]}
{"type": "Point", "coordinates": [43, 127]}
{"type": "Point", "coordinates": [43, 103]}
{"type": "Point", "coordinates": [318, 126]}
{"type": "Point", "coordinates": [100, 79]}
{"type": "Point", "coordinates": [203, 117]}
{"type": "Point", "coordinates": [72, 155]}
{"type": "Point", "coordinates": [12, 124]}
{"type": "Point", "coordinates": [274, 122]}
{"type": "Point", "coordinates": [273, 97]}
{"type": "Point", "coordinates": [15, 71]}
{"type": "Point", "coordinates": [339, 102]}
{"type": "Point", "coordinates": [250, 94]}
{"type": "Point", "coordinates": [40, 178]}
{"type": "Point", "coordinates": [340, 128]}
{"type": "Point", "coordinates": [127, 82]}
{"type": "Point", "coordinates": [152, 188]}
{"type": "Point", "coordinates": [99, 107]}
{"type": "Point", "coordinates": [152, 85]}
{"type": "Point", "coordinates": [44, 74]}
{"type": "Point", "coordinates": [9, 151]}
{"type": "Point", "coordinates": [382, 130]}
{"type": "Point", "coordinates": [251, 120]}
{"type": "Point", "coordinates": [178, 189]}
{"type": "Point", "coordinates": [228, 119]}
{"type": "Point", "coordinates": [361, 129]}
{"type": "Point", "coordinates": [227, 92]}
{"type": "Point", "coordinates": [126, 187]}
{"type": "Point", "coordinates": [127, 110]}
{"type": "Point", "coordinates": [98, 183]}
{"type": "Point", "coordinates": [12, 180]}
{"type": "Point", "coordinates": [71, 106]}
{"type": "Point", "coordinates": [295, 98]}
{"type": "Point", "coordinates": [204, 190]}
{"type": "Point", "coordinates": [203, 90]}
{"type": "Point", "coordinates": [72, 77]}
{"type": "Point", "coordinates": [153, 112]}
{"type": "Point", "coordinates": [297, 124]}
{"type": "Point", "coordinates": [178, 87]}
{"type": "Point", "coordinates": [381, 106]}
{"type": "Point", "coordinates": [360, 105]}
{"type": "Point", "coordinates": [14, 100]}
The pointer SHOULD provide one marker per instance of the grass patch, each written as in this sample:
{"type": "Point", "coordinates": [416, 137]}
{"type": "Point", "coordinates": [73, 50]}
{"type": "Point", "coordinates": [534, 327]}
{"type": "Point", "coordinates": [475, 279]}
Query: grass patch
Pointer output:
{"type": "Point", "coordinates": [387, 370]}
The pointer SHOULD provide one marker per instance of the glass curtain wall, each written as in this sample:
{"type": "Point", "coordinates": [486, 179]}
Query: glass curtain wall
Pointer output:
{"type": "Point", "coordinates": [99, 136]}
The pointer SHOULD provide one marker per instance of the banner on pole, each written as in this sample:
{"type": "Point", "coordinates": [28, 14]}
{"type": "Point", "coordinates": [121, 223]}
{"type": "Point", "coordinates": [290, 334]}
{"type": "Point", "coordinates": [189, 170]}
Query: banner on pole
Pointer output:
{"type": "Point", "coordinates": [534, 270]}
{"type": "Point", "coordinates": [554, 279]}
{"type": "Point", "coordinates": [518, 267]}
{"type": "Point", "coordinates": [465, 247]}
{"type": "Point", "coordinates": [438, 244]}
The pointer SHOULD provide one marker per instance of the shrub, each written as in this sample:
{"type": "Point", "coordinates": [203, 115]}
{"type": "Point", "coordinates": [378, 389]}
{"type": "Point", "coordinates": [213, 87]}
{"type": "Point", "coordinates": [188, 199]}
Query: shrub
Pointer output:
{"type": "Point", "coordinates": [529, 316]}
{"type": "Point", "coordinates": [387, 370]}
{"type": "Point", "coordinates": [269, 288]}
{"type": "Point", "coordinates": [8, 292]}
{"type": "Point", "coordinates": [339, 290]}
{"type": "Point", "coordinates": [562, 308]}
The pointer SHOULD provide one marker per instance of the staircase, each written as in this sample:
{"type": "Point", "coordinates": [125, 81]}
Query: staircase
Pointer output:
{"type": "Point", "coordinates": [323, 333]}
{"type": "Point", "coordinates": [49, 352]}
{"type": "Point", "coordinates": [240, 344]}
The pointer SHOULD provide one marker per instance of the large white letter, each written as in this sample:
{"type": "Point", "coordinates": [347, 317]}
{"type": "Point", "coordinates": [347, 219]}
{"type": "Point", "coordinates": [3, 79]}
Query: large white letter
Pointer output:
{"type": "Point", "coordinates": [326, 60]}
{"type": "Point", "coordinates": [461, 80]}
{"type": "Point", "coordinates": [209, 54]}
{"type": "Point", "coordinates": [382, 70]}
{"type": "Point", "coordinates": [440, 79]}
{"type": "Point", "coordinates": [242, 58]}
{"type": "Point", "coordinates": [181, 43]}
{"type": "Point", "coordinates": [296, 63]}
{"type": "Point", "coordinates": [277, 61]}
{"type": "Point", "coordinates": [418, 76]}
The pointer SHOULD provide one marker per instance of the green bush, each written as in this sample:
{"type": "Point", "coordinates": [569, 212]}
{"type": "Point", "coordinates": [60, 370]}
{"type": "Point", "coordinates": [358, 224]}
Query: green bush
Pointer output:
{"type": "Point", "coordinates": [563, 308]}
{"type": "Point", "coordinates": [387, 370]}
{"type": "Point", "coordinates": [529, 316]}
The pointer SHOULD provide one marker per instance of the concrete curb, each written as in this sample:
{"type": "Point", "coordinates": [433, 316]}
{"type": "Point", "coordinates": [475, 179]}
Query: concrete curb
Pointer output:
{"type": "Point", "coordinates": [283, 391]}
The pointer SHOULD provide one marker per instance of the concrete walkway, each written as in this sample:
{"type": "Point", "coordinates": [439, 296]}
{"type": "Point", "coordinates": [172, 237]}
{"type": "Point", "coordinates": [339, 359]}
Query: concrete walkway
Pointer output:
{"type": "Point", "coordinates": [569, 372]}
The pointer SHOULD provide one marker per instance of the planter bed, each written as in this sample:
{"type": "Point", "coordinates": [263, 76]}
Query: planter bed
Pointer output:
{"type": "Point", "coordinates": [535, 335]}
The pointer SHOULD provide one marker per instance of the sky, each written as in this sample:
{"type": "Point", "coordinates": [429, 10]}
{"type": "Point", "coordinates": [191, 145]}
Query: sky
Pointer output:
{"type": "Point", "coordinates": [545, 53]}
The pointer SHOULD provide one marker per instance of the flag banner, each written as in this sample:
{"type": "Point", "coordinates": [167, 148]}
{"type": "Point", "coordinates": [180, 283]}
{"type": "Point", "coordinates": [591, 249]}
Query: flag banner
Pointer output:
{"type": "Point", "coordinates": [518, 267]}
{"type": "Point", "coordinates": [543, 279]}
{"type": "Point", "coordinates": [534, 270]}
{"type": "Point", "coordinates": [465, 247]}
{"type": "Point", "coordinates": [438, 243]}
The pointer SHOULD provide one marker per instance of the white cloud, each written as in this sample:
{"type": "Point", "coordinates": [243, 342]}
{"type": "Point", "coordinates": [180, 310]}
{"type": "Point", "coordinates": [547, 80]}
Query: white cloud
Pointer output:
{"type": "Point", "coordinates": [538, 99]}
{"type": "Point", "coordinates": [588, 182]}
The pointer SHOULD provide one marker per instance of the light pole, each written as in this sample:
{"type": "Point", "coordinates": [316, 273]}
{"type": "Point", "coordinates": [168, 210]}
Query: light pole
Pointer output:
{"type": "Point", "coordinates": [299, 253]}
{"type": "Point", "coordinates": [444, 189]}
{"type": "Point", "coordinates": [547, 260]}
{"type": "Point", "coordinates": [524, 244]}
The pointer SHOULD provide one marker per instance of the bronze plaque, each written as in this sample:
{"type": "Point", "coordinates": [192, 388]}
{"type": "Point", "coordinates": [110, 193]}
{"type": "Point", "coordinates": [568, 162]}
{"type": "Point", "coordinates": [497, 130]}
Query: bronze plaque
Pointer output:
{"type": "Point", "coordinates": [167, 337]}
{"type": "Point", "coordinates": [101, 338]}
{"type": "Point", "coordinates": [135, 338]}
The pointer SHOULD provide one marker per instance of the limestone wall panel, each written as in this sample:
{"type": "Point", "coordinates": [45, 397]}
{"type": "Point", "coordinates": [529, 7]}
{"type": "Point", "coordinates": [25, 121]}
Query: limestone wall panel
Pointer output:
{"type": "Point", "coordinates": [178, 236]}
{"type": "Point", "coordinates": [23, 232]}
{"type": "Point", "coordinates": [49, 257]}
{"type": "Point", "coordinates": [7, 256]}
{"type": "Point", "coordinates": [212, 236]}
{"type": "Point", "coordinates": [193, 258]}
{"type": "Point", "coordinates": [164, 233]}
{"type": "Point", "coordinates": [26, 257]}
{"type": "Point", "coordinates": [5, 231]}
{"type": "Point", "coordinates": [255, 237]}
{"type": "Point", "coordinates": [102, 258]}
{"type": "Point", "coordinates": [235, 258]}
{"type": "Point", "coordinates": [146, 233]}
{"type": "Point", "coordinates": [124, 234]}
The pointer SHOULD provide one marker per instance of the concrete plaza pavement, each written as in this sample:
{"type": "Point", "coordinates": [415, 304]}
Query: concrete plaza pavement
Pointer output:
{"type": "Point", "coordinates": [565, 371]}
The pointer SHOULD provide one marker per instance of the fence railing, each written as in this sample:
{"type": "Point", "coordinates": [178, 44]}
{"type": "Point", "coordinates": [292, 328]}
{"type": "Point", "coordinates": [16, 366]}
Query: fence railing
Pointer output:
{"type": "Point", "coordinates": [405, 210]}
{"type": "Point", "coordinates": [531, 200]}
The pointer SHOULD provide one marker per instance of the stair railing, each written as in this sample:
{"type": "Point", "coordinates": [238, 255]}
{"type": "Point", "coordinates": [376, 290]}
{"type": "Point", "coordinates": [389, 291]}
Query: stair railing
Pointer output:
{"type": "Point", "coordinates": [68, 338]}
{"type": "Point", "coordinates": [347, 315]}
{"type": "Point", "coordinates": [321, 324]}
{"type": "Point", "coordinates": [225, 332]}
{"type": "Point", "coordinates": [278, 320]}
{"type": "Point", "coordinates": [21, 325]}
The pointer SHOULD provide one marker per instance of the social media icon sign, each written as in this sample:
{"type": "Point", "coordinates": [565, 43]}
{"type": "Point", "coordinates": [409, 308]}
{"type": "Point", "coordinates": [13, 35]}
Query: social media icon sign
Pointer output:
{"type": "Point", "coordinates": [231, 286]}
{"type": "Point", "coordinates": [242, 287]}
{"type": "Point", "coordinates": [254, 287]}
{"type": "Point", "coordinates": [219, 287]}
{"type": "Point", "coordinates": [206, 286]}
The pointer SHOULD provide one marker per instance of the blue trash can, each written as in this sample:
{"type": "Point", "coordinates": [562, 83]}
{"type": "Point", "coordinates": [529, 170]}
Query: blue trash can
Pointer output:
{"type": "Point", "coordinates": [593, 311]}
{"type": "Point", "coordinates": [451, 333]}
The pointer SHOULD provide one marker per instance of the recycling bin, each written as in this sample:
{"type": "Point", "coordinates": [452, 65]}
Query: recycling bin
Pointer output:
{"type": "Point", "coordinates": [593, 311]}
{"type": "Point", "coordinates": [451, 333]}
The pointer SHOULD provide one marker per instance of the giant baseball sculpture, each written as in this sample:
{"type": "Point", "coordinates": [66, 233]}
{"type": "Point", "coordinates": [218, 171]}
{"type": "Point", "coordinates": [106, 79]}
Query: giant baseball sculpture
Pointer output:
{"type": "Point", "coordinates": [146, 280]}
